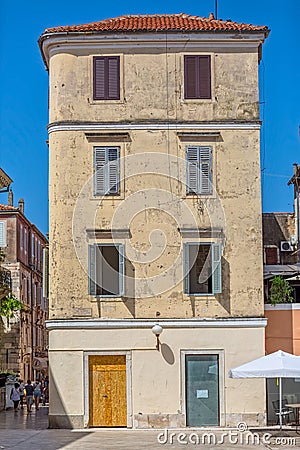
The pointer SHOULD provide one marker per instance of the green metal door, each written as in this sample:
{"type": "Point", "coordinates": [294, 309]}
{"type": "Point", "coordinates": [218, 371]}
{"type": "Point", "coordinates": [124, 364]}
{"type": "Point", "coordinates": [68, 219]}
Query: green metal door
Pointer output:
{"type": "Point", "coordinates": [202, 390]}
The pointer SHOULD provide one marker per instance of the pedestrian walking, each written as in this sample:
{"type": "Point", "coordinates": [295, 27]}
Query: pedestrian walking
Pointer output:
{"type": "Point", "coordinates": [37, 393]}
{"type": "Point", "coordinates": [29, 395]}
{"type": "Point", "coordinates": [15, 396]}
{"type": "Point", "coordinates": [22, 393]}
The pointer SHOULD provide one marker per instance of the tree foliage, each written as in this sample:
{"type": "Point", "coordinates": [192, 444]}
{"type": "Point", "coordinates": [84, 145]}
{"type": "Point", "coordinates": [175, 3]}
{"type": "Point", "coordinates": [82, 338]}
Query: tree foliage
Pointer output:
{"type": "Point", "coordinates": [281, 291]}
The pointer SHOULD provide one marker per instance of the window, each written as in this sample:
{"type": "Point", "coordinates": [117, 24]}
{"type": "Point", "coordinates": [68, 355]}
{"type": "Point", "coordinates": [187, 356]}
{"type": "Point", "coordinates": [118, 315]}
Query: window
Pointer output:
{"type": "Point", "coordinates": [197, 77]}
{"type": "Point", "coordinates": [106, 270]}
{"type": "Point", "coordinates": [107, 173]}
{"type": "Point", "coordinates": [271, 255]}
{"type": "Point", "coordinates": [2, 234]}
{"type": "Point", "coordinates": [21, 237]}
{"type": "Point", "coordinates": [106, 78]}
{"type": "Point", "coordinates": [199, 170]}
{"type": "Point", "coordinates": [202, 269]}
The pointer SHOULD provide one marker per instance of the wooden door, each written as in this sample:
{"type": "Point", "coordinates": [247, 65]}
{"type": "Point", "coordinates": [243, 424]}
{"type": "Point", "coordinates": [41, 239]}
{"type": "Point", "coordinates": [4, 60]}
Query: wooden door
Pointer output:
{"type": "Point", "coordinates": [107, 391]}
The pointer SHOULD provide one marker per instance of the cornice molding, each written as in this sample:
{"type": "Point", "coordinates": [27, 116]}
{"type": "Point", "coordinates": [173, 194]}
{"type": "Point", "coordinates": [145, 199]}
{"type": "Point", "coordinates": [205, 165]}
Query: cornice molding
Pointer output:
{"type": "Point", "coordinates": [102, 324]}
{"type": "Point", "coordinates": [93, 42]}
{"type": "Point", "coordinates": [86, 127]}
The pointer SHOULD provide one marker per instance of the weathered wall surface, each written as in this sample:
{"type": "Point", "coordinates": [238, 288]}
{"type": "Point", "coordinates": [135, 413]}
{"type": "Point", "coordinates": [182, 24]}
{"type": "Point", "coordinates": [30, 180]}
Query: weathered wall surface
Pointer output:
{"type": "Point", "coordinates": [164, 367]}
{"type": "Point", "coordinates": [235, 158]}
{"type": "Point", "coordinates": [152, 87]}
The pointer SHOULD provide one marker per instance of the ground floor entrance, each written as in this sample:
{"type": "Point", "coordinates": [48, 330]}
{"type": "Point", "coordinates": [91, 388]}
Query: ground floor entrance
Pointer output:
{"type": "Point", "coordinates": [202, 390]}
{"type": "Point", "coordinates": [107, 391]}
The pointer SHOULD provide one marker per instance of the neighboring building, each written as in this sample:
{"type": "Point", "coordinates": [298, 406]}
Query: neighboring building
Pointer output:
{"type": "Point", "coordinates": [23, 339]}
{"type": "Point", "coordinates": [154, 124]}
{"type": "Point", "coordinates": [281, 258]}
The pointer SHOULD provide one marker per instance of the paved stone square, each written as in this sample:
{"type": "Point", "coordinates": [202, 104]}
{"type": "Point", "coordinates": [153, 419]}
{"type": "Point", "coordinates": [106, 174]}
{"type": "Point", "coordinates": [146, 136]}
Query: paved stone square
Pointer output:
{"type": "Point", "coordinates": [21, 430]}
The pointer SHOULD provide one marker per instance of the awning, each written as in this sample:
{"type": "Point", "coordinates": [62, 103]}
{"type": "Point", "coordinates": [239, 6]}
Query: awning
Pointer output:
{"type": "Point", "coordinates": [284, 270]}
{"type": "Point", "coordinates": [39, 363]}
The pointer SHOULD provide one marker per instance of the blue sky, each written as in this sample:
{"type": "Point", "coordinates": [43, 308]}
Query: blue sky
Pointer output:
{"type": "Point", "coordinates": [24, 81]}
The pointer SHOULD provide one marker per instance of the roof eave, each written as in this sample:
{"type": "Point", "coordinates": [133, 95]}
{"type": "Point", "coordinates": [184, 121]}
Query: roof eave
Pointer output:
{"type": "Point", "coordinates": [47, 35]}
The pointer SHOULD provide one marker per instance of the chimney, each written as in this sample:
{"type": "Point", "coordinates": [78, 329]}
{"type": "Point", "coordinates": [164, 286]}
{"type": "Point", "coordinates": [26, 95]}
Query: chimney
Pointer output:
{"type": "Point", "coordinates": [21, 205]}
{"type": "Point", "coordinates": [10, 198]}
{"type": "Point", "coordinates": [211, 16]}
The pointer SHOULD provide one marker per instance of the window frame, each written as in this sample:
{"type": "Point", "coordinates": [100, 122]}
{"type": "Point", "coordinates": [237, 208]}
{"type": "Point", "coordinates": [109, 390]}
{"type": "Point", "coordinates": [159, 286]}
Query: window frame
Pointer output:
{"type": "Point", "coordinates": [198, 97]}
{"type": "Point", "coordinates": [92, 258]}
{"type": "Point", "coordinates": [106, 97]}
{"type": "Point", "coordinates": [216, 268]}
{"type": "Point", "coordinates": [106, 191]}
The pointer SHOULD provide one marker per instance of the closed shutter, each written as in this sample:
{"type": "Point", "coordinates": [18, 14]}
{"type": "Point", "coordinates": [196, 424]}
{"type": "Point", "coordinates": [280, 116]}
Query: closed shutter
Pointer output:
{"type": "Point", "coordinates": [113, 170]}
{"type": "Point", "coordinates": [204, 77]}
{"type": "Point", "coordinates": [199, 170]}
{"type": "Point", "coordinates": [217, 269]}
{"type": "Point", "coordinates": [92, 269]}
{"type": "Point", "coordinates": [190, 77]}
{"type": "Point", "coordinates": [205, 161]}
{"type": "Point", "coordinates": [107, 170]}
{"type": "Point", "coordinates": [99, 79]}
{"type": "Point", "coordinates": [2, 235]}
{"type": "Point", "coordinates": [100, 160]}
{"type": "Point", "coordinates": [197, 77]}
{"type": "Point", "coordinates": [192, 156]}
{"type": "Point", "coordinates": [113, 81]}
{"type": "Point", "coordinates": [106, 77]}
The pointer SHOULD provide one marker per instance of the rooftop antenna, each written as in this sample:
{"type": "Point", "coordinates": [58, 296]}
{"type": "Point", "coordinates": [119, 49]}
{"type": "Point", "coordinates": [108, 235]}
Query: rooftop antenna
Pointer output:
{"type": "Point", "coordinates": [216, 9]}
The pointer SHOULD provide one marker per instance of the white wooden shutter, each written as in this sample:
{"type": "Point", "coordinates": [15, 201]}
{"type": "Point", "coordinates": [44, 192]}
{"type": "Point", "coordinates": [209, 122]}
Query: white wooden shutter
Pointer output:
{"type": "Point", "coordinates": [205, 166]}
{"type": "Point", "coordinates": [192, 157]}
{"type": "Point", "coordinates": [2, 234]}
{"type": "Point", "coordinates": [100, 160]}
{"type": "Point", "coordinates": [92, 269]}
{"type": "Point", "coordinates": [113, 170]}
{"type": "Point", "coordinates": [217, 269]}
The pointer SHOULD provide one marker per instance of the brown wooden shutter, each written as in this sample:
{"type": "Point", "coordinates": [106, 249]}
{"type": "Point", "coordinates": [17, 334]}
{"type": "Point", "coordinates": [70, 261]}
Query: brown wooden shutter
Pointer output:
{"type": "Point", "coordinates": [113, 82]}
{"type": "Point", "coordinates": [190, 77]}
{"type": "Point", "coordinates": [106, 78]}
{"type": "Point", "coordinates": [204, 77]}
{"type": "Point", "coordinates": [99, 78]}
{"type": "Point", "coordinates": [197, 77]}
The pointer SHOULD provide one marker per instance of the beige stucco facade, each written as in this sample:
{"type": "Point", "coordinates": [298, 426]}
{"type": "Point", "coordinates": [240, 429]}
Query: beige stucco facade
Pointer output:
{"type": "Point", "coordinates": [153, 217]}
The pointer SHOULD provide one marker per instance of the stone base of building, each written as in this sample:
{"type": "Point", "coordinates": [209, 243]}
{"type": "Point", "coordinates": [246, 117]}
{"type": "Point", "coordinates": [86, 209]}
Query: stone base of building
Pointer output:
{"type": "Point", "coordinates": [159, 421]}
{"type": "Point", "coordinates": [66, 422]}
{"type": "Point", "coordinates": [251, 420]}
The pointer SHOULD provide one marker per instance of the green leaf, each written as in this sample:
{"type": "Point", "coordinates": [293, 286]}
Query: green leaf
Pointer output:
{"type": "Point", "coordinates": [281, 291]}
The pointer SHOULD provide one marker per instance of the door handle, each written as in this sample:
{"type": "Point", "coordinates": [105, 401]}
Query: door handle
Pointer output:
{"type": "Point", "coordinates": [104, 396]}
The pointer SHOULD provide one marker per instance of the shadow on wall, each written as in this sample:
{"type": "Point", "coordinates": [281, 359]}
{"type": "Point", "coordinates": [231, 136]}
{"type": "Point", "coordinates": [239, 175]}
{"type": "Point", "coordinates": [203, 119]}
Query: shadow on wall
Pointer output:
{"type": "Point", "coordinates": [56, 403]}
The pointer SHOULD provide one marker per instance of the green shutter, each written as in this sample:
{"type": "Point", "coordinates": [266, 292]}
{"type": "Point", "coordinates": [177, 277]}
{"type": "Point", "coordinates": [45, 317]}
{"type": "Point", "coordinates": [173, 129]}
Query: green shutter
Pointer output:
{"type": "Point", "coordinates": [217, 269]}
{"type": "Point", "coordinates": [92, 269]}
{"type": "Point", "coordinates": [121, 269]}
{"type": "Point", "coordinates": [186, 268]}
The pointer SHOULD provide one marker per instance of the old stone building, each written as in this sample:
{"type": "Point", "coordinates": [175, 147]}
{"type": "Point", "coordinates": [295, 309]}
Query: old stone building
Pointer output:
{"type": "Point", "coordinates": [23, 338]}
{"type": "Point", "coordinates": [155, 219]}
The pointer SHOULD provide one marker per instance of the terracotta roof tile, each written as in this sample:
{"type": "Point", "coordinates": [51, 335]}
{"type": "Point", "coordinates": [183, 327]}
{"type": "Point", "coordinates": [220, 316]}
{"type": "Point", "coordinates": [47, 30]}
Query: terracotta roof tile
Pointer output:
{"type": "Point", "coordinates": [7, 208]}
{"type": "Point", "coordinates": [156, 22]}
